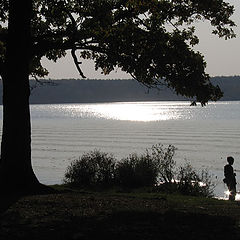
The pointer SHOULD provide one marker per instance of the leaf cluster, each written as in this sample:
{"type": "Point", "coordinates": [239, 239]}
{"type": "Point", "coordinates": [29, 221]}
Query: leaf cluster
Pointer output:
{"type": "Point", "coordinates": [150, 39]}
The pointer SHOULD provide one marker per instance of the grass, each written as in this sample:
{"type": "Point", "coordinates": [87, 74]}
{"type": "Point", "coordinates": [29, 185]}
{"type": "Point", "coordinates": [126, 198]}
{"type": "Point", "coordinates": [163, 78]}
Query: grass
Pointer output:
{"type": "Point", "coordinates": [78, 214]}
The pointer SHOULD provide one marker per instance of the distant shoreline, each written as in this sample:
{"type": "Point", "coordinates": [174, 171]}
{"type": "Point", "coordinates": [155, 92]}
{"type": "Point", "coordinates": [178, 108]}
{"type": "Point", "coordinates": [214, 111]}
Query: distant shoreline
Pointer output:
{"type": "Point", "coordinates": [126, 102]}
{"type": "Point", "coordinates": [75, 91]}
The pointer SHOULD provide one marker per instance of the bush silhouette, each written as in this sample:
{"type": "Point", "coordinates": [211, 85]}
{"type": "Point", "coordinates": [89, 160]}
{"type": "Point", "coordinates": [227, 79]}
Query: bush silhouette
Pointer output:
{"type": "Point", "coordinates": [193, 182]}
{"type": "Point", "coordinates": [163, 159]}
{"type": "Point", "coordinates": [155, 168]}
{"type": "Point", "coordinates": [92, 169]}
{"type": "Point", "coordinates": [136, 171]}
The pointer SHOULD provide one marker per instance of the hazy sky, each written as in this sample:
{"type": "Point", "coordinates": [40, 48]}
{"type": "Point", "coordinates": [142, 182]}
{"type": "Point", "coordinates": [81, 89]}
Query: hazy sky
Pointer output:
{"type": "Point", "coordinates": [222, 57]}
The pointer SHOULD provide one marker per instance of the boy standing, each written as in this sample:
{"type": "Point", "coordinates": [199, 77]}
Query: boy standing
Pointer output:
{"type": "Point", "coordinates": [230, 178]}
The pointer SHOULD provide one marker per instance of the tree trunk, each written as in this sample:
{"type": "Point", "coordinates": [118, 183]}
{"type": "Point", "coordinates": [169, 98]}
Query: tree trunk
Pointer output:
{"type": "Point", "coordinates": [16, 171]}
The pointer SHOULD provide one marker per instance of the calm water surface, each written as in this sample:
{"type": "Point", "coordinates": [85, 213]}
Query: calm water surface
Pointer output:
{"type": "Point", "coordinates": [205, 136]}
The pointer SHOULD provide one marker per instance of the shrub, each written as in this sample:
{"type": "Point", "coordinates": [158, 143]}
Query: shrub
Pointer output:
{"type": "Point", "coordinates": [184, 179]}
{"type": "Point", "coordinates": [92, 169]}
{"type": "Point", "coordinates": [194, 183]}
{"type": "Point", "coordinates": [163, 158]}
{"type": "Point", "coordinates": [155, 167]}
{"type": "Point", "coordinates": [136, 171]}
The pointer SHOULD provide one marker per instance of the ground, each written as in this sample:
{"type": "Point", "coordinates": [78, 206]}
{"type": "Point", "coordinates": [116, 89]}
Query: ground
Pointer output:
{"type": "Point", "coordinates": [118, 215]}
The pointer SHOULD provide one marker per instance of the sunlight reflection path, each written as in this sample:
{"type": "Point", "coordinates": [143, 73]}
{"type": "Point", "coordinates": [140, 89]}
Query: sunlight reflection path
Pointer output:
{"type": "Point", "coordinates": [128, 111]}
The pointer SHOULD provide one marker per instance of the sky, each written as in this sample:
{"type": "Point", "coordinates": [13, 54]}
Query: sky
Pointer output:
{"type": "Point", "coordinates": [222, 56]}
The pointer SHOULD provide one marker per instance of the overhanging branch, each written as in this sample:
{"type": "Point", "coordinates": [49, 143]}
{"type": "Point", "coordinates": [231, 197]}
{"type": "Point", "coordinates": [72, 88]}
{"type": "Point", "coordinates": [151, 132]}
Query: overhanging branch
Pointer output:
{"type": "Point", "coordinates": [77, 63]}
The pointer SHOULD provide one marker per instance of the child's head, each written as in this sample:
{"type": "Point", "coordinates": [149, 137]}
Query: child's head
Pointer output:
{"type": "Point", "coordinates": [230, 160]}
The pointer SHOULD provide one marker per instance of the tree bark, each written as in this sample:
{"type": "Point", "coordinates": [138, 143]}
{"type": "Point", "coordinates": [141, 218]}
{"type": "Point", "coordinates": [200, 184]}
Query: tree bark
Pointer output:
{"type": "Point", "coordinates": [16, 171]}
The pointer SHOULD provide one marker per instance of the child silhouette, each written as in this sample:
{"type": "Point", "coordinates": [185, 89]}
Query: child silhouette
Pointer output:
{"type": "Point", "coordinates": [230, 178]}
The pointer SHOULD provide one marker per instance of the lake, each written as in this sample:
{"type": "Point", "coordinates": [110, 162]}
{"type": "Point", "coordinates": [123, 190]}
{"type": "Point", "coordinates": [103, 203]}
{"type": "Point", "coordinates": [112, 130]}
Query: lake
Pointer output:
{"type": "Point", "coordinates": [205, 136]}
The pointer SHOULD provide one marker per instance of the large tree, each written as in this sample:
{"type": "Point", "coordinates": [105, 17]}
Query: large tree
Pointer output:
{"type": "Point", "coordinates": [152, 40]}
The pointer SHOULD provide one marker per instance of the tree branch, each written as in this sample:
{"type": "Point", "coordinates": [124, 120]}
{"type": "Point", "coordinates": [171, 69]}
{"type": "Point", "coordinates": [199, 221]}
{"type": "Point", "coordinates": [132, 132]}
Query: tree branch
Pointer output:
{"type": "Point", "coordinates": [77, 63]}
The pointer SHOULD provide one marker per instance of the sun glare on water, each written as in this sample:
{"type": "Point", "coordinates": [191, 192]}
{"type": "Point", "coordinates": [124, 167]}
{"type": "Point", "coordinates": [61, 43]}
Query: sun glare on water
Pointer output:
{"type": "Point", "coordinates": [134, 111]}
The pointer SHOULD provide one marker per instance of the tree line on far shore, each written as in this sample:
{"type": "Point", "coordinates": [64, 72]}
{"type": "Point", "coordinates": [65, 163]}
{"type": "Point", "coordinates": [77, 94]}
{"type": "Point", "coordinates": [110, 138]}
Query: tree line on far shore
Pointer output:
{"type": "Point", "coordinates": [114, 90]}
